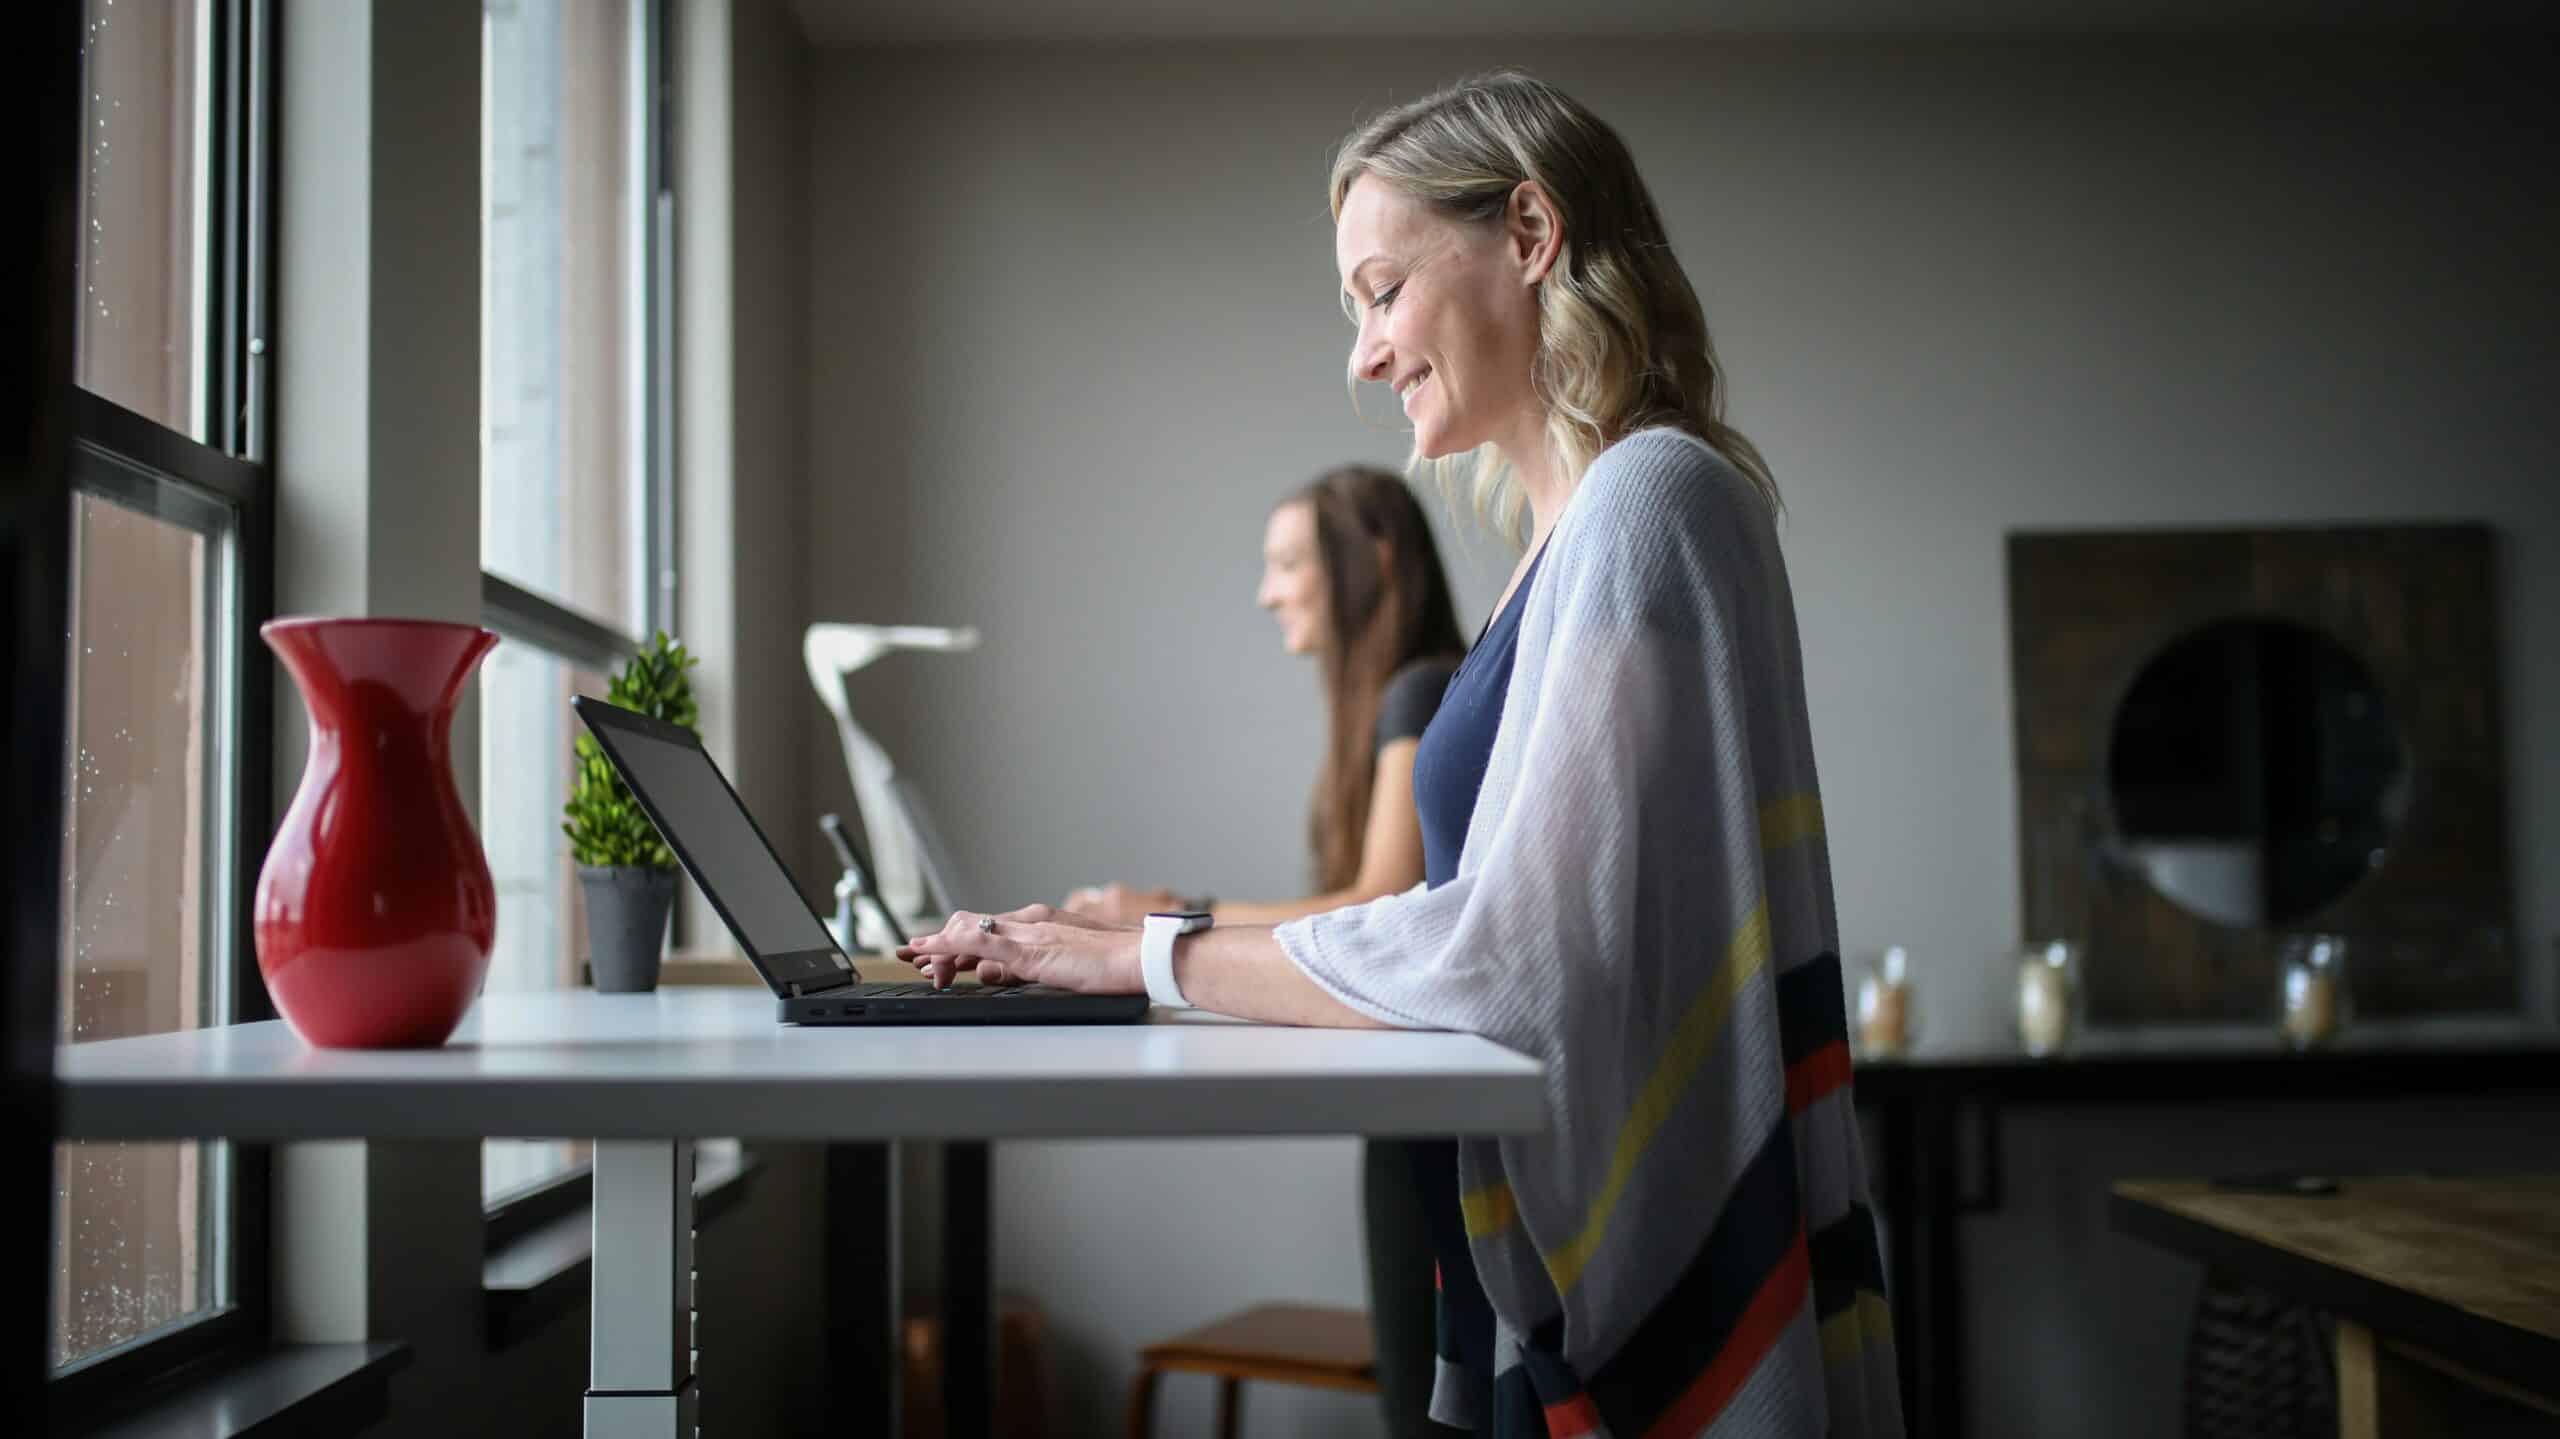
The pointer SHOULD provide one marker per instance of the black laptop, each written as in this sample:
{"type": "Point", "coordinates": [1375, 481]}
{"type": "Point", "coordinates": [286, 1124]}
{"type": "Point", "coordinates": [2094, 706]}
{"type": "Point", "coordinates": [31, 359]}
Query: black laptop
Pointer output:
{"type": "Point", "coordinates": [719, 844]}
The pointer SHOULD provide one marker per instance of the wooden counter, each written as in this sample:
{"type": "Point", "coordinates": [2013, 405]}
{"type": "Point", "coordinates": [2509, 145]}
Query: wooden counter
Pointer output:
{"type": "Point", "coordinates": [2446, 1292]}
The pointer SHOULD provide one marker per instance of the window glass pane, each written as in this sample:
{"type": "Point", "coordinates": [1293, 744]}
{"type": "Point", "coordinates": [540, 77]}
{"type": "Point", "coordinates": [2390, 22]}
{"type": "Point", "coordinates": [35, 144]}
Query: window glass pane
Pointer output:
{"type": "Point", "coordinates": [561, 499]}
{"type": "Point", "coordinates": [526, 758]}
{"type": "Point", "coordinates": [525, 763]}
{"type": "Point", "coordinates": [509, 1167]}
{"type": "Point", "coordinates": [138, 1227]}
{"type": "Point", "coordinates": [144, 162]}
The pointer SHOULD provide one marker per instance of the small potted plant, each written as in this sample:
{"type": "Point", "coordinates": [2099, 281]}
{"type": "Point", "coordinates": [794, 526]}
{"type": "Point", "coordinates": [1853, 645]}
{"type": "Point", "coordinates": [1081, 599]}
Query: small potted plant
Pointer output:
{"type": "Point", "coordinates": [624, 865]}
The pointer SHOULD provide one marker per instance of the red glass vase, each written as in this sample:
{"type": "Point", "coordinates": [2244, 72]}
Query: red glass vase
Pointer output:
{"type": "Point", "coordinates": [375, 912]}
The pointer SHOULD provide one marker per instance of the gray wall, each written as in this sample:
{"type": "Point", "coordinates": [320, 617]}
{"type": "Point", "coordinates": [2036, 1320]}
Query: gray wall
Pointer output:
{"type": "Point", "coordinates": [740, 327]}
{"type": "Point", "coordinates": [770, 355]}
{"type": "Point", "coordinates": [1073, 329]}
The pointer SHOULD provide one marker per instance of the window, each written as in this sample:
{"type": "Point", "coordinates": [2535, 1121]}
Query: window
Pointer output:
{"type": "Point", "coordinates": [574, 496]}
{"type": "Point", "coordinates": [158, 1253]}
{"type": "Point", "coordinates": [143, 865]}
{"type": "Point", "coordinates": [145, 178]}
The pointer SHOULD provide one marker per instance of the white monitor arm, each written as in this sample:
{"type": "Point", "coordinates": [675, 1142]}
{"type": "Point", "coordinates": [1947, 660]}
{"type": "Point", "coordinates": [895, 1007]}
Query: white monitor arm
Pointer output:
{"type": "Point", "coordinates": [915, 873]}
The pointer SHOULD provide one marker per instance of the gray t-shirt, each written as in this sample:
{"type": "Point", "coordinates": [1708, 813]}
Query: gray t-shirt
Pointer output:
{"type": "Point", "coordinates": [1412, 697]}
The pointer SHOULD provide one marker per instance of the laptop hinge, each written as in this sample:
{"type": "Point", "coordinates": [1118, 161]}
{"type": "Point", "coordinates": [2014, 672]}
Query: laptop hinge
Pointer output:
{"type": "Point", "coordinates": [792, 989]}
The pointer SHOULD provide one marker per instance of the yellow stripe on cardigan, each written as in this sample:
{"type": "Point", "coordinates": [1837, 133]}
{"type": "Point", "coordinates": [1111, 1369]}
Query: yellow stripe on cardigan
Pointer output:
{"type": "Point", "coordinates": [1867, 1322]}
{"type": "Point", "coordinates": [1792, 820]}
{"type": "Point", "coordinates": [1783, 822]}
{"type": "Point", "coordinates": [1488, 1210]}
{"type": "Point", "coordinates": [1691, 1042]}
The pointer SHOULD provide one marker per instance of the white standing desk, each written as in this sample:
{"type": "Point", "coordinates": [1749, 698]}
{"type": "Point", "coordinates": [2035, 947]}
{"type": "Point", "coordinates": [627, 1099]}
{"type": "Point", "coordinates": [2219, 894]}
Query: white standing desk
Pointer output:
{"type": "Point", "coordinates": [646, 1074]}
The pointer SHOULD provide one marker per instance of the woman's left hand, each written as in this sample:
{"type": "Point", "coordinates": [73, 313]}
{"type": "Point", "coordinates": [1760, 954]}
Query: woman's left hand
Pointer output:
{"type": "Point", "coordinates": [1034, 945]}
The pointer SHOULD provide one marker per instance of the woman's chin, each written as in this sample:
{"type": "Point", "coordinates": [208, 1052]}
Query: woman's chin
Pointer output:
{"type": "Point", "coordinates": [1434, 442]}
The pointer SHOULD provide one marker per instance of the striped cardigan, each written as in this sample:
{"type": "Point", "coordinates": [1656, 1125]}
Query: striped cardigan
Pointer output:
{"type": "Point", "coordinates": [1644, 904]}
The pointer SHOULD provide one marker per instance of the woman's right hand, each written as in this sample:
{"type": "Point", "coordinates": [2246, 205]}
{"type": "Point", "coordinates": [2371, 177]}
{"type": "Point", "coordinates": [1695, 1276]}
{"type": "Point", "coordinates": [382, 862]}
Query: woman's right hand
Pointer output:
{"type": "Point", "coordinates": [1037, 945]}
{"type": "Point", "coordinates": [1120, 904]}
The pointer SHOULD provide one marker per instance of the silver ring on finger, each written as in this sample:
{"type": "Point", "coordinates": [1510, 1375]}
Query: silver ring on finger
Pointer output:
{"type": "Point", "coordinates": [986, 924]}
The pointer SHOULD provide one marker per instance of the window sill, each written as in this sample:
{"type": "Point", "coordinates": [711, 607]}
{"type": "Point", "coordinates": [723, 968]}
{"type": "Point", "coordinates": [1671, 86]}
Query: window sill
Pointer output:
{"type": "Point", "coordinates": [291, 1389]}
{"type": "Point", "coordinates": [541, 1274]}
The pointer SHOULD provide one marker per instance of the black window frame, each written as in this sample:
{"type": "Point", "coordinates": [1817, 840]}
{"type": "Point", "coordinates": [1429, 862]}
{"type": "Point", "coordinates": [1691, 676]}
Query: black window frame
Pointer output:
{"type": "Point", "coordinates": [231, 469]}
{"type": "Point", "coordinates": [35, 526]}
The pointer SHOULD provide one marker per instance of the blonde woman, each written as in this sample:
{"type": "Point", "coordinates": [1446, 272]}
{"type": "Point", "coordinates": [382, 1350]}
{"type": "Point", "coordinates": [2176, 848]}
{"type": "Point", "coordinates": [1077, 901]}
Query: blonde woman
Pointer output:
{"type": "Point", "coordinates": [1625, 870]}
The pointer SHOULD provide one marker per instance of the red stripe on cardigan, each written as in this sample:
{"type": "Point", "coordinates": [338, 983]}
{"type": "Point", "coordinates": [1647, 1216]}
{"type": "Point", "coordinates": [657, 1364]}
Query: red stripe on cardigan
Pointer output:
{"type": "Point", "coordinates": [1574, 1418]}
{"type": "Point", "coordinates": [1781, 1294]}
{"type": "Point", "coordinates": [1816, 1075]}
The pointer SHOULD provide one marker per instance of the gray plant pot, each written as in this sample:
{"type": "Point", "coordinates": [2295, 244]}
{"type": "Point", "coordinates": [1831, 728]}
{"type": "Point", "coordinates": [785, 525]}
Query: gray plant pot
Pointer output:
{"type": "Point", "coordinates": [626, 925]}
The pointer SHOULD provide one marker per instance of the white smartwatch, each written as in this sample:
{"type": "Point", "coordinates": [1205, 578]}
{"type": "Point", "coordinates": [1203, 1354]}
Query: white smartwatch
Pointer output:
{"type": "Point", "coordinates": [1155, 953]}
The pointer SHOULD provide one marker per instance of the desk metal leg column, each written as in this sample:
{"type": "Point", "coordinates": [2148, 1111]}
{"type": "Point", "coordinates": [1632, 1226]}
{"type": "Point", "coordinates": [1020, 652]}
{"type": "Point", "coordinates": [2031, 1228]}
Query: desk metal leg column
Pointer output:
{"type": "Point", "coordinates": [1941, 1297]}
{"type": "Point", "coordinates": [641, 1355]}
{"type": "Point", "coordinates": [968, 1285]}
{"type": "Point", "coordinates": [1899, 1192]}
{"type": "Point", "coordinates": [863, 1345]}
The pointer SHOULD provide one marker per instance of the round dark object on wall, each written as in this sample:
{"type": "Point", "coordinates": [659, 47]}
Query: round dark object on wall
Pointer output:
{"type": "Point", "coordinates": [2254, 773]}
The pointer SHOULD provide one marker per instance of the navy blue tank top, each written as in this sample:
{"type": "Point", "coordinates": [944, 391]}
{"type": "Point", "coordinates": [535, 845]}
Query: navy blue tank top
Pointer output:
{"type": "Point", "coordinates": [1448, 770]}
{"type": "Point", "coordinates": [1449, 764]}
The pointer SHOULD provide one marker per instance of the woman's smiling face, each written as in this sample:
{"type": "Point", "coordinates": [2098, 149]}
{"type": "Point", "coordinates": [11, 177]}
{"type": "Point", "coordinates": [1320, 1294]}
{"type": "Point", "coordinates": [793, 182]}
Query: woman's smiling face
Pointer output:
{"type": "Point", "coordinates": [1293, 579]}
{"type": "Point", "coordinates": [1447, 313]}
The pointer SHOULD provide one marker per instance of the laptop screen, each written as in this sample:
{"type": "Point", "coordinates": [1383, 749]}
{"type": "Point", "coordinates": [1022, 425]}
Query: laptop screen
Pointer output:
{"type": "Point", "coordinates": [708, 828]}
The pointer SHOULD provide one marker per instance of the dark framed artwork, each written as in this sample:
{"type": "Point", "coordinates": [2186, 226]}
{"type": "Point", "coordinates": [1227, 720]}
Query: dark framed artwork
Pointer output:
{"type": "Point", "coordinates": [2228, 737]}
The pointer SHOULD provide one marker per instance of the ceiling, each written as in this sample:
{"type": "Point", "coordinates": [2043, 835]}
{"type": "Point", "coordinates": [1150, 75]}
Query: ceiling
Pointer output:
{"type": "Point", "coordinates": [874, 22]}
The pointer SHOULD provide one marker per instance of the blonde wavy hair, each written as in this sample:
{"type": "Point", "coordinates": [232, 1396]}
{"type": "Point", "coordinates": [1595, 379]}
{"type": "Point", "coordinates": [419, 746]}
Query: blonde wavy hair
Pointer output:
{"type": "Point", "coordinates": [1622, 342]}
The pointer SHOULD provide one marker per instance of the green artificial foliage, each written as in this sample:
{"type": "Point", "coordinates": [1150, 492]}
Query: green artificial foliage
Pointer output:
{"type": "Point", "coordinates": [606, 826]}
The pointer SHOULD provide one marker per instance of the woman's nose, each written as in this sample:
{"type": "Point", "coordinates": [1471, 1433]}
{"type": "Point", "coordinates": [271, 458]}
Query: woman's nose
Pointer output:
{"type": "Point", "coordinates": [1368, 357]}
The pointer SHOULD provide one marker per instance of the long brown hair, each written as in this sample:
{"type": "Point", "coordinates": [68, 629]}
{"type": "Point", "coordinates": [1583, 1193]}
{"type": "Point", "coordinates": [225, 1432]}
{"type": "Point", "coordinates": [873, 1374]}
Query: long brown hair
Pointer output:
{"type": "Point", "coordinates": [1382, 617]}
{"type": "Point", "coordinates": [1622, 342]}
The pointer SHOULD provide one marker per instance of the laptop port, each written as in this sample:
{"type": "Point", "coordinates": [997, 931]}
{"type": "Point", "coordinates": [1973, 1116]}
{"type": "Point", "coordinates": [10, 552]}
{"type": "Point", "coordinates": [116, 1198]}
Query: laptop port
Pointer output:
{"type": "Point", "coordinates": [817, 1011]}
{"type": "Point", "coordinates": [853, 1011]}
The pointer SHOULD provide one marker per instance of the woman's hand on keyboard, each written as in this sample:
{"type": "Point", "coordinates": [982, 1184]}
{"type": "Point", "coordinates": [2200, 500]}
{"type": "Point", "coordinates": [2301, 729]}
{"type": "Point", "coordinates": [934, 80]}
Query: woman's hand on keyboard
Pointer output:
{"type": "Point", "coordinates": [1033, 945]}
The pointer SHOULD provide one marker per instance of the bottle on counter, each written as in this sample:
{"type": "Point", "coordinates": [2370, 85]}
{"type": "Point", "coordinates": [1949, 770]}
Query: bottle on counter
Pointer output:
{"type": "Point", "coordinates": [2048, 982]}
{"type": "Point", "coordinates": [1884, 1017]}
{"type": "Point", "coordinates": [2311, 989]}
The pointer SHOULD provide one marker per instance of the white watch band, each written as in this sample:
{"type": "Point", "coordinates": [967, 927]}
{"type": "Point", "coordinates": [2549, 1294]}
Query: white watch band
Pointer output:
{"type": "Point", "coordinates": [1155, 955]}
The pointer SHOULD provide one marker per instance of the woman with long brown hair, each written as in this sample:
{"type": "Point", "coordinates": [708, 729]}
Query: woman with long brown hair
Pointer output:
{"type": "Point", "coordinates": [1350, 573]}
{"type": "Point", "coordinates": [1352, 576]}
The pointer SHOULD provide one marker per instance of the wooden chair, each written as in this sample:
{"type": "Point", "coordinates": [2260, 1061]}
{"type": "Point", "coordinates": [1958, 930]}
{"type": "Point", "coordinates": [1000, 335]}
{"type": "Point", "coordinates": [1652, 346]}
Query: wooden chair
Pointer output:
{"type": "Point", "coordinates": [1279, 1343]}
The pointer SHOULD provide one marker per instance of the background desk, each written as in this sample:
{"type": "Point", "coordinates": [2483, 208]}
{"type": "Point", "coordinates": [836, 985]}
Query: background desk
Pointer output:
{"type": "Point", "coordinates": [1922, 1102]}
{"type": "Point", "coordinates": [645, 1074]}
{"type": "Point", "coordinates": [2441, 1288]}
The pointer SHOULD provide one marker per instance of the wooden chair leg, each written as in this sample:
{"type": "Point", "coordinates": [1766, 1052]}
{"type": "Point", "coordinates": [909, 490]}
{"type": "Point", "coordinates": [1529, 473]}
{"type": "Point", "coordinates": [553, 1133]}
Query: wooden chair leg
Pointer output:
{"type": "Point", "coordinates": [1230, 1401]}
{"type": "Point", "coordinates": [1142, 1403]}
{"type": "Point", "coordinates": [2359, 1415]}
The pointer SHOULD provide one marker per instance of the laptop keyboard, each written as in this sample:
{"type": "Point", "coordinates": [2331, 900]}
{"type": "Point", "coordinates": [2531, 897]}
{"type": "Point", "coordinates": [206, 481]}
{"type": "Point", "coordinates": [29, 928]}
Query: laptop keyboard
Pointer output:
{"type": "Point", "coordinates": [957, 991]}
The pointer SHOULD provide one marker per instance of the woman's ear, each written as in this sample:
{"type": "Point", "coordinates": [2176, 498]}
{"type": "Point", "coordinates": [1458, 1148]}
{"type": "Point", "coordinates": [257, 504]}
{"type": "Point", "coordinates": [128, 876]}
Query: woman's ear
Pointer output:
{"type": "Point", "coordinates": [1534, 230]}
